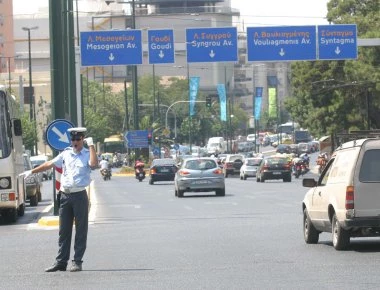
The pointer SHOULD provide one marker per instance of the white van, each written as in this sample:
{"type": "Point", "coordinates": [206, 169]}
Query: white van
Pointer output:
{"type": "Point", "coordinates": [216, 145]}
{"type": "Point", "coordinates": [345, 200]}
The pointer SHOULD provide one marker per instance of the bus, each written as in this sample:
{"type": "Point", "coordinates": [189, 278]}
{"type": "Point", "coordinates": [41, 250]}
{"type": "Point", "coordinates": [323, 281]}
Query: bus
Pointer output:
{"type": "Point", "coordinates": [12, 185]}
{"type": "Point", "coordinates": [114, 143]}
{"type": "Point", "coordinates": [287, 128]}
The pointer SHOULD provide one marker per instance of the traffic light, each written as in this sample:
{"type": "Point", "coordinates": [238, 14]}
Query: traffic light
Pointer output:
{"type": "Point", "coordinates": [150, 138]}
{"type": "Point", "coordinates": [208, 102]}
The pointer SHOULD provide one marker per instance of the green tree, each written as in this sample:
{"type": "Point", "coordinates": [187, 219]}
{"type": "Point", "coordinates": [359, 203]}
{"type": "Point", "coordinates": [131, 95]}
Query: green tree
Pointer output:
{"type": "Point", "coordinates": [332, 96]}
{"type": "Point", "coordinates": [29, 136]}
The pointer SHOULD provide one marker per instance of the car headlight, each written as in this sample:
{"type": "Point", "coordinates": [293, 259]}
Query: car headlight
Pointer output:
{"type": "Point", "coordinates": [5, 182]}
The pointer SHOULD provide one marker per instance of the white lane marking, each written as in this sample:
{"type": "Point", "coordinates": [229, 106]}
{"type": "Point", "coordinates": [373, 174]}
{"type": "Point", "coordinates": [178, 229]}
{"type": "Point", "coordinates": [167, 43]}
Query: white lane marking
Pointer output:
{"type": "Point", "coordinates": [137, 206]}
{"type": "Point", "coordinates": [188, 207]}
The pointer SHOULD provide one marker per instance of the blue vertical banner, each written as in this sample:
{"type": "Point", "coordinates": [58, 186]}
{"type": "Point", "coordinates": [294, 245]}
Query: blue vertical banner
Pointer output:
{"type": "Point", "coordinates": [193, 91]}
{"type": "Point", "coordinates": [258, 99]}
{"type": "Point", "coordinates": [223, 101]}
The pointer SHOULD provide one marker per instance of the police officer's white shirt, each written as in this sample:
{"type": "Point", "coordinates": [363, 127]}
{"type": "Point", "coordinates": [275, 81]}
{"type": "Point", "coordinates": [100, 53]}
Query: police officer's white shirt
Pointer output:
{"type": "Point", "coordinates": [76, 168]}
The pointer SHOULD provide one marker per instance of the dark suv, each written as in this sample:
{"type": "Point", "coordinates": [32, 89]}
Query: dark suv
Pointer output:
{"type": "Point", "coordinates": [232, 164]}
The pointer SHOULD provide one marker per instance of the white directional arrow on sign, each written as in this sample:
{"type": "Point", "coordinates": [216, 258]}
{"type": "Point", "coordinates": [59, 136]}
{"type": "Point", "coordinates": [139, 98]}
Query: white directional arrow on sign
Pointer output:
{"type": "Point", "coordinates": [282, 52]}
{"type": "Point", "coordinates": [337, 50]}
{"type": "Point", "coordinates": [62, 136]}
{"type": "Point", "coordinates": [111, 57]}
{"type": "Point", "coordinates": [212, 54]}
{"type": "Point", "coordinates": [161, 54]}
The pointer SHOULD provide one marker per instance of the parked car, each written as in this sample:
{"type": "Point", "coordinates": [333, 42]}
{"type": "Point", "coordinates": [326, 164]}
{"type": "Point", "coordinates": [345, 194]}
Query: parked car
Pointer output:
{"type": "Point", "coordinates": [274, 167]}
{"type": "Point", "coordinates": [199, 175]}
{"type": "Point", "coordinates": [162, 170]}
{"type": "Point", "coordinates": [38, 160]}
{"type": "Point", "coordinates": [249, 167]}
{"type": "Point", "coordinates": [345, 200]}
{"type": "Point", "coordinates": [32, 183]}
{"type": "Point", "coordinates": [232, 164]}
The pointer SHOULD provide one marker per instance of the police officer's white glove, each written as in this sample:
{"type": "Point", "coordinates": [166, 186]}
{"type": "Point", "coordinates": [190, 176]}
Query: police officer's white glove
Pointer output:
{"type": "Point", "coordinates": [89, 141]}
{"type": "Point", "coordinates": [26, 174]}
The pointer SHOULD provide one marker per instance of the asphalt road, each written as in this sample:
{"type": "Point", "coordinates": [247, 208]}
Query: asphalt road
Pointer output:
{"type": "Point", "coordinates": [143, 237]}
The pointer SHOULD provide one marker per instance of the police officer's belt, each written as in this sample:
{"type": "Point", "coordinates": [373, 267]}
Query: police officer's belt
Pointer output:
{"type": "Point", "coordinates": [72, 190]}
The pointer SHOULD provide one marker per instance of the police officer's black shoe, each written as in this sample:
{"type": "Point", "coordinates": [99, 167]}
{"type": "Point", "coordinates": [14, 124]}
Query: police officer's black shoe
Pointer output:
{"type": "Point", "coordinates": [76, 267]}
{"type": "Point", "coordinates": [56, 267]}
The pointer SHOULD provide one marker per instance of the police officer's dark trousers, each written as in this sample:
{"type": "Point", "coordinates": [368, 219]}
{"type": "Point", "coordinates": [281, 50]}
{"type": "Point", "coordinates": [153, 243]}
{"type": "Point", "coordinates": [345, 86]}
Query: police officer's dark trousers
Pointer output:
{"type": "Point", "coordinates": [72, 206]}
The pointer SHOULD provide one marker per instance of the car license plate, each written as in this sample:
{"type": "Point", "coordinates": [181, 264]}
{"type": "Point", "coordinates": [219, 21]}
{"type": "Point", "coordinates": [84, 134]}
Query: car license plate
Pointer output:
{"type": "Point", "coordinates": [276, 173]}
{"type": "Point", "coordinates": [200, 182]}
{"type": "Point", "coordinates": [164, 170]}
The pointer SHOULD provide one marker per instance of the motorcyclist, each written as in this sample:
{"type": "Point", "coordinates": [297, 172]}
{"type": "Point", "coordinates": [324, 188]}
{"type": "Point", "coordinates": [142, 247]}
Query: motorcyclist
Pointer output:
{"type": "Point", "coordinates": [306, 159]}
{"type": "Point", "coordinates": [139, 167]}
{"type": "Point", "coordinates": [104, 165]}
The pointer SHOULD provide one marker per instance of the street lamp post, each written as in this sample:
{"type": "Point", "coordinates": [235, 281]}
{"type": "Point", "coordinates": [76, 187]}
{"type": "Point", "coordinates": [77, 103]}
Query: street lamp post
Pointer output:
{"type": "Point", "coordinates": [32, 112]}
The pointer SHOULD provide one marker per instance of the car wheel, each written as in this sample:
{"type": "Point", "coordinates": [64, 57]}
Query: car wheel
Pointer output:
{"type": "Point", "coordinates": [175, 192]}
{"type": "Point", "coordinates": [262, 179]}
{"type": "Point", "coordinates": [180, 193]}
{"type": "Point", "coordinates": [310, 234]}
{"type": "Point", "coordinates": [39, 195]}
{"type": "Point", "coordinates": [257, 179]}
{"type": "Point", "coordinates": [341, 237]}
{"type": "Point", "coordinates": [21, 210]}
{"type": "Point", "coordinates": [34, 200]}
{"type": "Point", "coordinates": [241, 177]}
{"type": "Point", "coordinates": [221, 192]}
{"type": "Point", "coordinates": [151, 182]}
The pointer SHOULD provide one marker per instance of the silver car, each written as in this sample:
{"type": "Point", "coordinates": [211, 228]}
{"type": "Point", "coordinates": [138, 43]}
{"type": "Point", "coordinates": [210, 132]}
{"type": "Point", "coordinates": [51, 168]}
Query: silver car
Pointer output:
{"type": "Point", "coordinates": [199, 175]}
{"type": "Point", "coordinates": [249, 167]}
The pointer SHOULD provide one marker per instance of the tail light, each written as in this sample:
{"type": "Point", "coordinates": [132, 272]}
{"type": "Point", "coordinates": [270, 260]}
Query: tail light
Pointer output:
{"type": "Point", "coordinates": [12, 196]}
{"type": "Point", "coordinates": [153, 171]}
{"type": "Point", "coordinates": [350, 197]}
{"type": "Point", "coordinates": [218, 171]}
{"type": "Point", "coordinates": [184, 172]}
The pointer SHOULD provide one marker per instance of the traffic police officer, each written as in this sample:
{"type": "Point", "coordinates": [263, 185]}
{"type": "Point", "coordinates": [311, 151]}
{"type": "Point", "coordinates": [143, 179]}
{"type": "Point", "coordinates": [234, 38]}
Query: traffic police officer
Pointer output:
{"type": "Point", "coordinates": [76, 163]}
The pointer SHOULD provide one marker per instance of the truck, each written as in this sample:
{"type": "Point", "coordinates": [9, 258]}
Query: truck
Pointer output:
{"type": "Point", "coordinates": [216, 145]}
{"type": "Point", "coordinates": [302, 136]}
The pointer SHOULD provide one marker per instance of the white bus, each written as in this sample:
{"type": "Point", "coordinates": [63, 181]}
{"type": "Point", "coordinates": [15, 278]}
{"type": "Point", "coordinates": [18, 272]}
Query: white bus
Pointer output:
{"type": "Point", "coordinates": [12, 187]}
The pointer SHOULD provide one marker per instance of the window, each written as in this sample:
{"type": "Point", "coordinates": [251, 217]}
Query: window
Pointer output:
{"type": "Point", "coordinates": [5, 131]}
{"type": "Point", "coordinates": [370, 168]}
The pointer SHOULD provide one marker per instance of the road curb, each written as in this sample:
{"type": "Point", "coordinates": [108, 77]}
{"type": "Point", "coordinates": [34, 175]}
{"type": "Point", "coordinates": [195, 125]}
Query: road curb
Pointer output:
{"type": "Point", "coordinates": [48, 221]}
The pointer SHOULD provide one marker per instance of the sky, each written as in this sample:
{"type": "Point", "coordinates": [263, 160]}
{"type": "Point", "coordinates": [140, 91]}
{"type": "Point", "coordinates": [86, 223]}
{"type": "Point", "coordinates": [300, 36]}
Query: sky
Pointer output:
{"type": "Point", "coordinates": [254, 12]}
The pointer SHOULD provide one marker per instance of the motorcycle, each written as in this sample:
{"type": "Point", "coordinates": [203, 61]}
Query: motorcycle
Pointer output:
{"type": "Point", "coordinates": [298, 169]}
{"type": "Point", "coordinates": [106, 173]}
{"type": "Point", "coordinates": [139, 171]}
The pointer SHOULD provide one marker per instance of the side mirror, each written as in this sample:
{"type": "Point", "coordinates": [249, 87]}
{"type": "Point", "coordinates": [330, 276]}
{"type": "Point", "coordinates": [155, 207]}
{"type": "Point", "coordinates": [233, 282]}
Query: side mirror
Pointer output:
{"type": "Point", "coordinates": [17, 127]}
{"type": "Point", "coordinates": [309, 182]}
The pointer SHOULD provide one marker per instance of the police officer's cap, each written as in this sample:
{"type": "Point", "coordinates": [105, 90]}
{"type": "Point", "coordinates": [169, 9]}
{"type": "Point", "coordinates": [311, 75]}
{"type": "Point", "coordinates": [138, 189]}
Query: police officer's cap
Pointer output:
{"type": "Point", "coordinates": [77, 131]}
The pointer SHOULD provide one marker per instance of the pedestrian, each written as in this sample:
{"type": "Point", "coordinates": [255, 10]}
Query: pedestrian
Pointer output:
{"type": "Point", "coordinates": [76, 162]}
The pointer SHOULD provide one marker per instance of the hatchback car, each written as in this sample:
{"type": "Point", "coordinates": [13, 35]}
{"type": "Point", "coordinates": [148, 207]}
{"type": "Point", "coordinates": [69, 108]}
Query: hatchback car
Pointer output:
{"type": "Point", "coordinates": [249, 167]}
{"type": "Point", "coordinates": [274, 167]}
{"type": "Point", "coordinates": [162, 170]}
{"type": "Point", "coordinates": [199, 175]}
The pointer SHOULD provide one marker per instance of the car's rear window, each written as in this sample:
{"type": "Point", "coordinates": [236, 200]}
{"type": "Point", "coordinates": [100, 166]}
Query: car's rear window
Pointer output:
{"type": "Point", "coordinates": [200, 164]}
{"type": "Point", "coordinates": [273, 161]}
{"type": "Point", "coordinates": [370, 168]}
{"type": "Point", "coordinates": [253, 162]}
